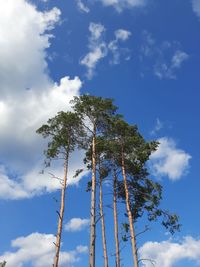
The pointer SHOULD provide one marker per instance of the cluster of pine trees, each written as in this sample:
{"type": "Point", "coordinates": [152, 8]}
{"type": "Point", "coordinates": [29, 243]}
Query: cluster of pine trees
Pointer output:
{"type": "Point", "coordinates": [114, 149]}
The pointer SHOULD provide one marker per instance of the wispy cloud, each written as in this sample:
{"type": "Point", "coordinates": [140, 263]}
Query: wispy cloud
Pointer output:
{"type": "Point", "coordinates": [115, 48]}
{"type": "Point", "coordinates": [165, 70]}
{"type": "Point", "coordinates": [166, 58]}
{"type": "Point", "coordinates": [99, 48]}
{"type": "Point", "coordinates": [76, 224]}
{"type": "Point", "coordinates": [169, 160]}
{"type": "Point", "coordinates": [120, 5]}
{"type": "Point", "coordinates": [82, 7]}
{"type": "Point", "coordinates": [38, 250]}
{"type": "Point", "coordinates": [122, 34]}
{"type": "Point", "coordinates": [158, 126]}
{"type": "Point", "coordinates": [168, 253]}
{"type": "Point", "coordinates": [196, 7]}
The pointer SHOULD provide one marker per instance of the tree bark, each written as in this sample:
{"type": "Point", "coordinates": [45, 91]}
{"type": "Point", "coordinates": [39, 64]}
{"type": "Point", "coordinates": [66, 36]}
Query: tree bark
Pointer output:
{"type": "Point", "coordinates": [61, 213]}
{"type": "Point", "coordinates": [130, 217]}
{"type": "Point", "coordinates": [105, 255]}
{"type": "Point", "coordinates": [117, 253]}
{"type": "Point", "coordinates": [93, 205]}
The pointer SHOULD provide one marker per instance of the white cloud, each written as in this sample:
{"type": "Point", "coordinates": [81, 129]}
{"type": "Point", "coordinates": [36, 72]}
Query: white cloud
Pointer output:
{"type": "Point", "coordinates": [10, 189]}
{"type": "Point", "coordinates": [163, 70]}
{"type": "Point", "coordinates": [96, 30]}
{"type": "Point", "coordinates": [35, 182]}
{"type": "Point", "coordinates": [168, 253]}
{"type": "Point", "coordinates": [120, 5]}
{"type": "Point", "coordinates": [196, 7]}
{"type": "Point", "coordinates": [82, 7]}
{"type": "Point", "coordinates": [93, 57]}
{"type": "Point", "coordinates": [28, 95]}
{"type": "Point", "coordinates": [76, 224]}
{"type": "Point", "coordinates": [116, 50]}
{"type": "Point", "coordinates": [122, 34]}
{"type": "Point", "coordinates": [99, 48]}
{"type": "Point", "coordinates": [178, 58]}
{"type": "Point", "coordinates": [38, 250]}
{"type": "Point", "coordinates": [169, 160]}
{"type": "Point", "coordinates": [166, 58]}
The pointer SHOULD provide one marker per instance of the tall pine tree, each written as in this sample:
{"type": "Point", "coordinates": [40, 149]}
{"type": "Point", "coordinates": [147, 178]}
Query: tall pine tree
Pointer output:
{"type": "Point", "coordinates": [65, 133]}
{"type": "Point", "coordinates": [95, 113]}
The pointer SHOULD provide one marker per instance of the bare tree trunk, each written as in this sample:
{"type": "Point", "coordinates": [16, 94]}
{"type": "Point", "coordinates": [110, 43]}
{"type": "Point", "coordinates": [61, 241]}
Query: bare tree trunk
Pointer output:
{"type": "Point", "coordinates": [130, 217]}
{"type": "Point", "coordinates": [105, 255]}
{"type": "Point", "coordinates": [61, 213]}
{"type": "Point", "coordinates": [93, 205]}
{"type": "Point", "coordinates": [117, 253]}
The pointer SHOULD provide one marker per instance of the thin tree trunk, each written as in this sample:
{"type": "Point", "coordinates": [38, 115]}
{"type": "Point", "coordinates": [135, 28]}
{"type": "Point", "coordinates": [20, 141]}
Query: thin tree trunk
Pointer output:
{"type": "Point", "coordinates": [117, 253]}
{"type": "Point", "coordinates": [93, 205]}
{"type": "Point", "coordinates": [130, 217]}
{"type": "Point", "coordinates": [61, 213]}
{"type": "Point", "coordinates": [105, 255]}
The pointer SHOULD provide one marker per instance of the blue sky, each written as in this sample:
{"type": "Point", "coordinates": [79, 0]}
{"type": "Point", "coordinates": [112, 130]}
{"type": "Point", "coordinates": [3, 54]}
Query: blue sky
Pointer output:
{"type": "Point", "coordinates": [145, 55]}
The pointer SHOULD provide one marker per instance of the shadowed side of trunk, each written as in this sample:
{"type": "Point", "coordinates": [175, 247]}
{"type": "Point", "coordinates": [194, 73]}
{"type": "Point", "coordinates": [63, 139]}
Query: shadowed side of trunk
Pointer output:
{"type": "Point", "coordinates": [61, 213]}
{"type": "Point", "coordinates": [93, 205]}
{"type": "Point", "coordinates": [130, 217]}
{"type": "Point", "coordinates": [117, 253]}
{"type": "Point", "coordinates": [105, 254]}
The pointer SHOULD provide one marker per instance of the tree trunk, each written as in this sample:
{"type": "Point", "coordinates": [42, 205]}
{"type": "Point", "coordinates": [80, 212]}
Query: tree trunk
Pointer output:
{"type": "Point", "coordinates": [117, 254]}
{"type": "Point", "coordinates": [105, 255]}
{"type": "Point", "coordinates": [93, 205]}
{"type": "Point", "coordinates": [61, 213]}
{"type": "Point", "coordinates": [130, 217]}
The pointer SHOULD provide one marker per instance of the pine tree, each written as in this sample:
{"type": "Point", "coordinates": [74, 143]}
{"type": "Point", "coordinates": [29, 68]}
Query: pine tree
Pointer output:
{"type": "Point", "coordinates": [129, 143]}
{"type": "Point", "coordinates": [95, 113]}
{"type": "Point", "coordinates": [65, 133]}
{"type": "Point", "coordinates": [138, 191]}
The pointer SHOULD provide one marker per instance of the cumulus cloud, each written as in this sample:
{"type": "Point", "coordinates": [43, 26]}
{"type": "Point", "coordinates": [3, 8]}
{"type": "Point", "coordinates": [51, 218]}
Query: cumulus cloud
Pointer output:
{"type": "Point", "coordinates": [168, 253]}
{"type": "Point", "coordinates": [169, 160]}
{"type": "Point", "coordinates": [10, 189]}
{"type": "Point", "coordinates": [38, 250]}
{"type": "Point", "coordinates": [99, 48]}
{"type": "Point", "coordinates": [166, 58]}
{"type": "Point", "coordinates": [196, 7]}
{"type": "Point", "coordinates": [28, 95]}
{"type": "Point", "coordinates": [120, 5]}
{"type": "Point", "coordinates": [76, 224]}
{"type": "Point", "coordinates": [82, 7]}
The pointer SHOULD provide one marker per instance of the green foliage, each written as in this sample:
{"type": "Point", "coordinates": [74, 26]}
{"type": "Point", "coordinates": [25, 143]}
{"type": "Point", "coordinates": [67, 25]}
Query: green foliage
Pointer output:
{"type": "Point", "coordinates": [89, 186]}
{"type": "Point", "coordinates": [171, 222]}
{"type": "Point", "coordinates": [144, 194]}
{"type": "Point", "coordinates": [65, 132]}
{"type": "Point", "coordinates": [115, 140]}
{"type": "Point", "coordinates": [97, 110]}
{"type": "Point", "coordinates": [125, 231]}
{"type": "Point", "coordinates": [78, 172]}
